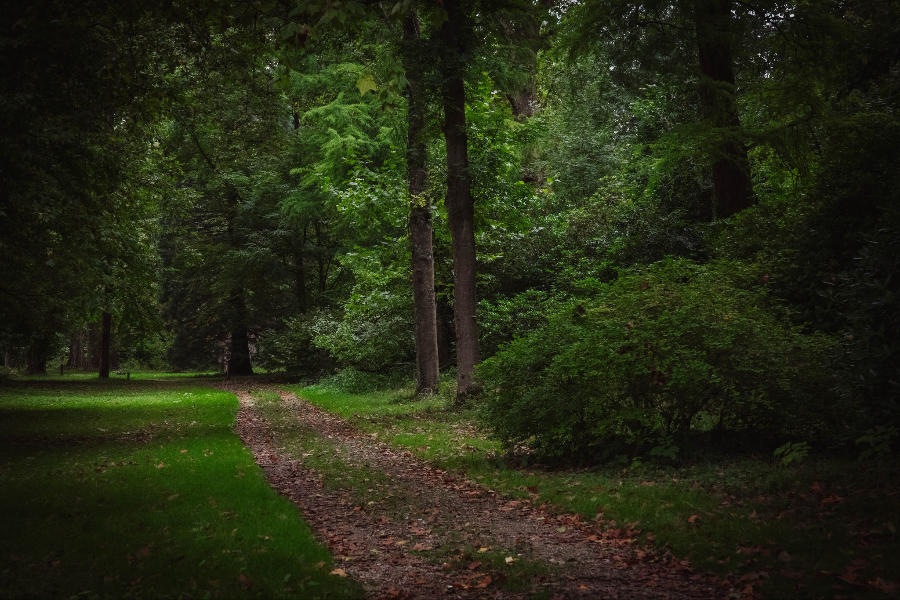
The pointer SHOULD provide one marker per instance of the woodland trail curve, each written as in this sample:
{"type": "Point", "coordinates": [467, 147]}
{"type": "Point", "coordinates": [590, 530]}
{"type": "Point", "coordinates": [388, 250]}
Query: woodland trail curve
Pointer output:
{"type": "Point", "coordinates": [427, 544]}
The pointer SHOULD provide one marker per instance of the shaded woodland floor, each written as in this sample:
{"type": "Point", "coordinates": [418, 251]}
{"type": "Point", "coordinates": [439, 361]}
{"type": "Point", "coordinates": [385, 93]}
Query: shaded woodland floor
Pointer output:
{"type": "Point", "coordinates": [430, 533]}
{"type": "Point", "coordinates": [148, 488]}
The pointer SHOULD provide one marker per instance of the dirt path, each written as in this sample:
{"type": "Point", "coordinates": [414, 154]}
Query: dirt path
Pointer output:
{"type": "Point", "coordinates": [445, 536]}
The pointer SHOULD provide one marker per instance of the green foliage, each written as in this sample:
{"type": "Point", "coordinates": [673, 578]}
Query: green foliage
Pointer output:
{"type": "Point", "coordinates": [375, 330]}
{"type": "Point", "coordinates": [353, 381]}
{"type": "Point", "coordinates": [505, 319]}
{"type": "Point", "coordinates": [880, 440]}
{"type": "Point", "coordinates": [675, 349]}
{"type": "Point", "coordinates": [867, 300]}
{"type": "Point", "coordinates": [792, 452]}
{"type": "Point", "coordinates": [291, 348]}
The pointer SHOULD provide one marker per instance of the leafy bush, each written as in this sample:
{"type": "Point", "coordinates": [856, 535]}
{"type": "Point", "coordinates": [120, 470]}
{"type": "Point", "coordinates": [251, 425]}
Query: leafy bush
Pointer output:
{"type": "Point", "coordinates": [867, 301]}
{"type": "Point", "coordinates": [353, 381]}
{"type": "Point", "coordinates": [673, 349]}
{"type": "Point", "coordinates": [375, 332]}
{"type": "Point", "coordinates": [505, 319]}
{"type": "Point", "coordinates": [291, 348]}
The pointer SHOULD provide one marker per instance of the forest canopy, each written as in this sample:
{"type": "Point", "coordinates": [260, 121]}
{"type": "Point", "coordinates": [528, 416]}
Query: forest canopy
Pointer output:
{"type": "Point", "coordinates": [622, 225]}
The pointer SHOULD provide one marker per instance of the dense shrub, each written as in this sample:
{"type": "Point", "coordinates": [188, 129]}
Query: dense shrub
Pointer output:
{"type": "Point", "coordinates": [353, 381]}
{"type": "Point", "coordinates": [375, 331]}
{"type": "Point", "coordinates": [504, 319]}
{"type": "Point", "coordinates": [290, 348]}
{"type": "Point", "coordinates": [673, 349]}
{"type": "Point", "coordinates": [866, 299]}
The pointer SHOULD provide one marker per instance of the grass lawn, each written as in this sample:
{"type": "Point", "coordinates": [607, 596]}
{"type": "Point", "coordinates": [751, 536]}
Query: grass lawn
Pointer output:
{"type": "Point", "coordinates": [824, 529]}
{"type": "Point", "coordinates": [142, 489]}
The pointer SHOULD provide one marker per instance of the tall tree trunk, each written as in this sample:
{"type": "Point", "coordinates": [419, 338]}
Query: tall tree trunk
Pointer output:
{"type": "Point", "coordinates": [37, 357]}
{"type": "Point", "coordinates": [104, 344]}
{"type": "Point", "coordinates": [460, 208]}
{"type": "Point", "coordinates": [420, 232]}
{"type": "Point", "coordinates": [731, 168]}
{"type": "Point", "coordinates": [239, 349]}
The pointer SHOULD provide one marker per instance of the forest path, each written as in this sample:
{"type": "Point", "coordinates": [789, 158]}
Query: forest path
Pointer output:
{"type": "Point", "coordinates": [432, 534]}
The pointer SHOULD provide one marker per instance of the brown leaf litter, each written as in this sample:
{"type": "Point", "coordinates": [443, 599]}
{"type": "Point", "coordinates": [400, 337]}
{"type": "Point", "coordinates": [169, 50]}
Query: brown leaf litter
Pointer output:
{"type": "Point", "coordinates": [389, 555]}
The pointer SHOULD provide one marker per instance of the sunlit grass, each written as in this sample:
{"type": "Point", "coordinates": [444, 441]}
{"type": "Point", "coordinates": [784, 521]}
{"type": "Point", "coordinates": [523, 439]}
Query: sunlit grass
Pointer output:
{"type": "Point", "coordinates": [144, 490]}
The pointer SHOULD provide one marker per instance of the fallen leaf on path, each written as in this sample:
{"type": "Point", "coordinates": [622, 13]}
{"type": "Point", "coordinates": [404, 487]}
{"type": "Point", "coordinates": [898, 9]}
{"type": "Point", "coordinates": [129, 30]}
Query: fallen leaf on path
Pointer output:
{"type": "Point", "coordinates": [339, 573]}
{"type": "Point", "coordinates": [484, 582]}
{"type": "Point", "coordinates": [510, 560]}
{"type": "Point", "coordinates": [692, 518]}
{"type": "Point", "coordinates": [474, 565]}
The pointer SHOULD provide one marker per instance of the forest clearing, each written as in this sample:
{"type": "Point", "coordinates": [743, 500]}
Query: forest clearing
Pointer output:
{"type": "Point", "coordinates": [450, 298]}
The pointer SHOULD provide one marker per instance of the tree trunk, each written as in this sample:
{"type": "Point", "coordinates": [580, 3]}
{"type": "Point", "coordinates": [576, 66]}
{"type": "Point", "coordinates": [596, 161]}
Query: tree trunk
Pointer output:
{"type": "Point", "coordinates": [37, 357]}
{"type": "Point", "coordinates": [76, 351]}
{"type": "Point", "coordinates": [731, 167]}
{"type": "Point", "coordinates": [420, 231]}
{"type": "Point", "coordinates": [239, 355]}
{"type": "Point", "coordinates": [239, 350]}
{"type": "Point", "coordinates": [104, 345]}
{"type": "Point", "coordinates": [460, 208]}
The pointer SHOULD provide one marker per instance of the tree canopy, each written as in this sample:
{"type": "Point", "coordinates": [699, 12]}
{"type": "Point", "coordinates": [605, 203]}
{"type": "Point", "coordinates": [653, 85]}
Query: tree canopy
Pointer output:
{"type": "Point", "coordinates": [616, 221]}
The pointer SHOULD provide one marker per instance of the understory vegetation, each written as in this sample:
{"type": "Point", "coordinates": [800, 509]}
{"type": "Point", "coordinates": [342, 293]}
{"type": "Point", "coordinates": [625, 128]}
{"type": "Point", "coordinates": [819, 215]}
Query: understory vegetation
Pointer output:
{"type": "Point", "coordinates": [654, 240]}
{"type": "Point", "coordinates": [798, 529]}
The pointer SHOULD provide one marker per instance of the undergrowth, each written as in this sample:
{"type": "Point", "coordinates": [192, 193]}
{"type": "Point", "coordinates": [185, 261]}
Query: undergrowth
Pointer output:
{"type": "Point", "coordinates": [824, 527]}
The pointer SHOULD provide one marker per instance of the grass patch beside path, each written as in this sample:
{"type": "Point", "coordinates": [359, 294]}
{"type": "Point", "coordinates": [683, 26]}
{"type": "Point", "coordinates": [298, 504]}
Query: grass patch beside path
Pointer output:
{"type": "Point", "coordinates": [823, 529]}
{"type": "Point", "coordinates": [115, 489]}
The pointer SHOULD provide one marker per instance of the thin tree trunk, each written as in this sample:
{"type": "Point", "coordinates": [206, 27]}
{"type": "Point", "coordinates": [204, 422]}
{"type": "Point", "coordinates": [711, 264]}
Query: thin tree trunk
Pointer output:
{"type": "Point", "coordinates": [731, 168]}
{"type": "Point", "coordinates": [460, 208]}
{"type": "Point", "coordinates": [104, 344]}
{"type": "Point", "coordinates": [239, 350]}
{"type": "Point", "coordinates": [424, 305]}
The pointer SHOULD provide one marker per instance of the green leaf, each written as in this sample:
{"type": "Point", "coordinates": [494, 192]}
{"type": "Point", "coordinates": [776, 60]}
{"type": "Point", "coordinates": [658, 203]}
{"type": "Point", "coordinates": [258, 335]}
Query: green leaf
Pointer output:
{"type": "Point", "coordinates": [366, 83]}
{"type": "Point", "coordinates": [437, 17]}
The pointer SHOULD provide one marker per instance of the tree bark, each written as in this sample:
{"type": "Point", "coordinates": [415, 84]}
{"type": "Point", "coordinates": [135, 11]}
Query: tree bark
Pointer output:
{"type": "Point", "coordinates": [420, 230]}
{"type": "Point", "coordinates": [239, 349]}
{"type": "Point", "coordinates": [104, 344]}
{"type": "Point", "coordinates": [731, 167]}
{"type": "Point", "coordinates": [76, 351]}
{"type": "Point", "coordinates": [37, 357]}
{"type": "Point", "coordinates": [460, 207]}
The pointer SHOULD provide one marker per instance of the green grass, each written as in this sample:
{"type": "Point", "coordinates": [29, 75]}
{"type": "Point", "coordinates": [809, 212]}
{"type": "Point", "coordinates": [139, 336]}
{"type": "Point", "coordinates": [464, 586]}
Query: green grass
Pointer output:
{"type": "Point", "coordinates": [732, 517]}
{"type": "Point", "coordinates": [119, 489]}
